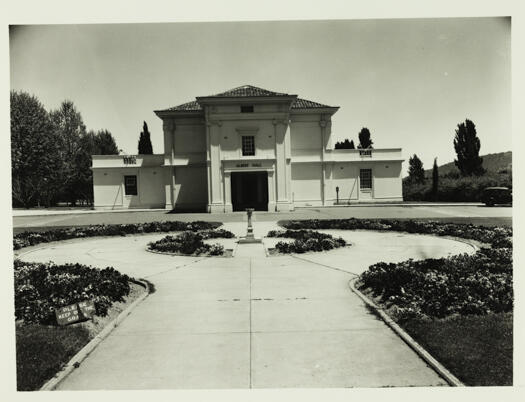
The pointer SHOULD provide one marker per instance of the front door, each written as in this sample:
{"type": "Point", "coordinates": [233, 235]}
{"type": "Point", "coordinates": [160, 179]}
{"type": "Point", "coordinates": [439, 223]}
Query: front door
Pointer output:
{"type": "Point", "coordinates": [249, 190]}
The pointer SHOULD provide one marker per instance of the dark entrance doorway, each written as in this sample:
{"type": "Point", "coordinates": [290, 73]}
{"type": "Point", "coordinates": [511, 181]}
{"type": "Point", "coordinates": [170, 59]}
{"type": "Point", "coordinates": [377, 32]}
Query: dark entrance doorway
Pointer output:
{"type": "Point", "coordinates": [250, 190]}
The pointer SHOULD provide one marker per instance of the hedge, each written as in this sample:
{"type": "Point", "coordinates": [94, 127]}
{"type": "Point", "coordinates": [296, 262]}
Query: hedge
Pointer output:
{"type": "Point", "coordinates": [26, 239]}
{"type": "Point", "coordinates": [455, 188]}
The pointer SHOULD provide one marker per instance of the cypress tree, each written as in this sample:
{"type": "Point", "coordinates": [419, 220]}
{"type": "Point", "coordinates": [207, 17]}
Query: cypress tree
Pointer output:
{"type": "Point", "coordinates": [435, 180]}
{"type": "Point", "coordinates": [145, 147]}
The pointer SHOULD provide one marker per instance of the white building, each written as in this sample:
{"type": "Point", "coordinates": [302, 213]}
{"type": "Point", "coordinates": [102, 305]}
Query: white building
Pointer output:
{"type": "Point", "coordinates": [247, 147]}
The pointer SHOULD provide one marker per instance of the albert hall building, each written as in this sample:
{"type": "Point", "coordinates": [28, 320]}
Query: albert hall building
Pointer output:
{"type": "Point", "coordinates": [247, 148]}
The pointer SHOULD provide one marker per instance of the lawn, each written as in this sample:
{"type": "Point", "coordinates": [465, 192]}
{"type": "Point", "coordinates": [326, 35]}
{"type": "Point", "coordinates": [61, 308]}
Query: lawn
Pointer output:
{"type": "Point", "coordinates": [476, 349]}
{"type": "Point", "coordinates": [41, 351]}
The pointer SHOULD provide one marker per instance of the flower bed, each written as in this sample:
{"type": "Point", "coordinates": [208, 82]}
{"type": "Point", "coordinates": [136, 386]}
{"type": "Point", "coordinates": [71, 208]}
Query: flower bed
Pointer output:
{"type": "Point", "coordinates": [26, 239]}
{"type": "Point", "coordinates": [41, 288]}
{"type": "Point", "coordinates": [495, 236]}
{"type": "Point", "coordinates": [305, 240]}
{"type": "Point", "coordinates": [191, 243]}
{"type": "Point", "coordinates": [437, 288]}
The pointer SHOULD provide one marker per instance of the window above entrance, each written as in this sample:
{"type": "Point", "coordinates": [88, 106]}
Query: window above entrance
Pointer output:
{"type": "Point", "coordinates": [246, 108]}
{"type": "Point", "coordinates": [248, 145]}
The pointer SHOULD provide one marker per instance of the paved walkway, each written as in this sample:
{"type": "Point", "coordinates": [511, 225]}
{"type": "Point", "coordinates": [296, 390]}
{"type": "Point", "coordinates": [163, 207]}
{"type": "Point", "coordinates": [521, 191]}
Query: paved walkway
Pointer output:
{"type": "Point", "coordinates": [250, 321]}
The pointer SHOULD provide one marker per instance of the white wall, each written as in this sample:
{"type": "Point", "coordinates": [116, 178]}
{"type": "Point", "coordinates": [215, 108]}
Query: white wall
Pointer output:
{"type": "Point", "coordinates": [190, 138]}
{"type": "Point", "coordinates": [387, 180]}
{"type": "Point", "coordinates": [306, 182]}
{"type": "Point", "coordinates": [191, 188]}
{"type": "Point", "coordinates": [344, 176]}
{"type": "Point", "coordinates": [108, 188]}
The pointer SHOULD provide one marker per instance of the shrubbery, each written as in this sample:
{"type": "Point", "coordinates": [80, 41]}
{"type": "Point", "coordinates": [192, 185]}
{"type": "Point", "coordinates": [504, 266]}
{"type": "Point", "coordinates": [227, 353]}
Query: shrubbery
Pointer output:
{"type": "Point", "coordinates": [495, 236]}
{"type": "Point", "coordinates": [305, 240]}
{"type": "Point", "coordinates": [191, 243]}
{"type": "Point", "coordinates": [462, 284]}
{"type": "Point", "coordinates": [26, 239]}
{"type": "Point", "coordinates": [41, 288]}
{"type": "Point", "coordinates": [455, 188]}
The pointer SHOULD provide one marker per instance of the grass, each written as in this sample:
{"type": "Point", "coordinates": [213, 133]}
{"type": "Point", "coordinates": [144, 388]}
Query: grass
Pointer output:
{"type": "Point", "coordinates": [41, 351]}
{"type": "Point", "coordinates": [476, 349]}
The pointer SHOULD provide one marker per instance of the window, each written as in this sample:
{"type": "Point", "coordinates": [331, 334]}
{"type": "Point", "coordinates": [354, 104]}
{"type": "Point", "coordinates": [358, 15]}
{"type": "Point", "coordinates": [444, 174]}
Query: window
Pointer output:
{"type": "Point", "coordinates": [365, 179]}
{"type": "Point", "coordinates": [130, 185]}
{"type": "Point", "coordinates": [247, 109]}
{"type": "Point", "coordinates": [248, 145]}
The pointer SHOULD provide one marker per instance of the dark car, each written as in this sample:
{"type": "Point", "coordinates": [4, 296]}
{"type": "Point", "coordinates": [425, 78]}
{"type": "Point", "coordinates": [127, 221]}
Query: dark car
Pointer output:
{"type": "Point", "coordinates": [496, 195]}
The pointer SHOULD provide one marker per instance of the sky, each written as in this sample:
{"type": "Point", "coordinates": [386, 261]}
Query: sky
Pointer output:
{"type": "Point", "coordinates": [409, 81]}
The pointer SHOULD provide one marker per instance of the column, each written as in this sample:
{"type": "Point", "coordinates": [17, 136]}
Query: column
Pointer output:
{"type": "Point", "coordinates": [169, 170]}
{"type": "Point", "coordinates": [215, 203]}
{"type": "Point", "coordinates": [227, 192]}
{"type": "Point", "coordinates": [271, 192]}
{"type": "Point", "coordinates": [322, 124]}
{"type": "Point", "coordinates": [280, 133]}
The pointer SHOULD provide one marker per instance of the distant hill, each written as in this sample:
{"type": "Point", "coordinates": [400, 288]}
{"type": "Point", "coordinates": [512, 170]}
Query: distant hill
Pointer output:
{"type": "Point", "coordinates": [491, 162]}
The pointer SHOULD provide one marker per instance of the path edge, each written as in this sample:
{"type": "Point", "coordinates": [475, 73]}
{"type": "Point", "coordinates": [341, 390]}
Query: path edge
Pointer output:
{"type": "Point", "coordinates": [83, 353]}
{"type": "Point", "coordinates": [450, 378]}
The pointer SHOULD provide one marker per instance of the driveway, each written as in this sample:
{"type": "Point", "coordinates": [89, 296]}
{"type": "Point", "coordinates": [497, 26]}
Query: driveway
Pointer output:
{"type": "Point", "coordinates": [454, 212]}
{"type": "Point", "coordinates": [250, 321]}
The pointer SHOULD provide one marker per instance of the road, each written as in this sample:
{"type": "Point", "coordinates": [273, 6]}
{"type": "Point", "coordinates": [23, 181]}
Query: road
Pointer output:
{"type": "Point", "coordinates": [477, 214]}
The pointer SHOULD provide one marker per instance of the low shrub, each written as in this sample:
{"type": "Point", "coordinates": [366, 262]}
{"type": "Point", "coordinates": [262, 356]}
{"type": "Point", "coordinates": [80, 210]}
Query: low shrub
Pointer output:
{"type": "Point", "coordinates": [305, 240]}
{"type": "Point", "coordinates": [495, 236]}
{"type": "Point", "coordinates": [191, 243]}
{"type": "Point", "coordinates": [41, 288]}
{"type": "Point", "coordinates": [26, 239]}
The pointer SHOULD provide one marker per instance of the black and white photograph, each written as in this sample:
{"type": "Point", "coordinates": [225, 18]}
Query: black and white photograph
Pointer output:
{"type": "Point", "coordinates": [281, 203]}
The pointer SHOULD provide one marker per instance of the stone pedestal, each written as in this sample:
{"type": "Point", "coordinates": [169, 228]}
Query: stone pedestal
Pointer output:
{"type": "Point", "coordinates": [249, 238]}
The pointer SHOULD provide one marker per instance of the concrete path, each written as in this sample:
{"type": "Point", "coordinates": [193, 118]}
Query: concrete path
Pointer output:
{"type": "Point", "coordinates": [250, 321]}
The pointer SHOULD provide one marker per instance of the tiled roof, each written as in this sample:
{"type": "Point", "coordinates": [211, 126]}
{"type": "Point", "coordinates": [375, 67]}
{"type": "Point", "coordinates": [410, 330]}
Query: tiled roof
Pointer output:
{"type": "Point", "coordinates": [193, 105]}
{"type": "Point", "coordinates": [249, 91]}
{"type": "Point", "coordinates": [306, 104]}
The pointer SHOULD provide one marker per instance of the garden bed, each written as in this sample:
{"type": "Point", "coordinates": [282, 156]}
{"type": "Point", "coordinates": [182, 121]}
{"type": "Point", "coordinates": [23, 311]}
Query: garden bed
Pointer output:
{"type": "Point", "coordinates": [42, 350]}
{"type": "Point", "coordinates": [25, 239]}
{"type": "Point", "coordinates": [192, 244]}
{"type": "Point", "coordinates": [304, 241]}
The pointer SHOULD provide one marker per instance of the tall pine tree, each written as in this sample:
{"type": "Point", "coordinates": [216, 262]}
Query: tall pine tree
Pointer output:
{"type": "Point", "coordinates": [467, 145]}
{"type": "Point", "coordinates": [145, 147]}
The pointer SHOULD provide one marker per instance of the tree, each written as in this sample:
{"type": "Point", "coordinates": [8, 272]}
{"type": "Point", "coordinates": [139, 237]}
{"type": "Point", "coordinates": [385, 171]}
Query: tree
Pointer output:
{"type": "Point", "coordinates": [467, 145]}
{"type": "Point", "coordinates": [100, 143]}
{"type": "Point", "coordinates": [70, 128]}
{"type": "Point", "coordinates": [345, 144]}
{"type": "Point", "coordinates": [365, 141]}
{"type": "Point", "coordinates": [35, 152]}
{"type": "Point", "coordinates": [435, 180]}
{"type": "Point", "coordinates": [105, 144]}
{"type": "Point", "coordinates": [145, 147]}
{"type": "Point", "coordinates": [416, 173]}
